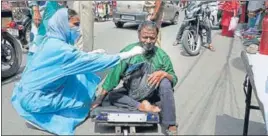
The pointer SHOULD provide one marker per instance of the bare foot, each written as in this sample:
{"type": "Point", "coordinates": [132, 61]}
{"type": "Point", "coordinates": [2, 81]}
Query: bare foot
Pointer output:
{"type": "Point", "coordinates": [144, 106]}
{"type": "Point", "coordinates": [147, 107]}
{"type": "Point", "coordinates": [155, 109]}
{"type": "Point", "coordinates": [172, 128]}
{"type": "Point", "coordinates": [172, 131]}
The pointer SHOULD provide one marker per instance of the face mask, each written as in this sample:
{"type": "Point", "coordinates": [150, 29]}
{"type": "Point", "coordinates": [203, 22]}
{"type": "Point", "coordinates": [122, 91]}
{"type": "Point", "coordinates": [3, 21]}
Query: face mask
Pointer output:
{"type": "Point", "coordinates": [75, 34]}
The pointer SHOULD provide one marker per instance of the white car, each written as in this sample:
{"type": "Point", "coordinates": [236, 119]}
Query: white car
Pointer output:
{"type": "Point", "coordinates": [138, 11]}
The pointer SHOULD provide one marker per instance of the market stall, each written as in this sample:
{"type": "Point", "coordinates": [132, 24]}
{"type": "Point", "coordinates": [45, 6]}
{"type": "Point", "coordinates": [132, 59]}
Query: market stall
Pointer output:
{"type": "Point", "coordinates": [256, 80]}
{"type": "Point", "coordinates": [256, 64]}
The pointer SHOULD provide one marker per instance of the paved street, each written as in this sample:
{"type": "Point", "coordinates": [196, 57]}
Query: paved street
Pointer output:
{"type": "Point", "coordinates": [209, 96]}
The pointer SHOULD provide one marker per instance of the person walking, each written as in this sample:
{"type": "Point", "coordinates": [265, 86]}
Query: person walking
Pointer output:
{"type": "Point", "coordinates": [84, 10]}
{"type": "Point", "coordinates": [157, 17]}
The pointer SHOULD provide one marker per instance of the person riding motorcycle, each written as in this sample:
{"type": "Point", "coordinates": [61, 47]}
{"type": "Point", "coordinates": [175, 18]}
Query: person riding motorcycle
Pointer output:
{"type": "Point", "coordinates": [203, 25]}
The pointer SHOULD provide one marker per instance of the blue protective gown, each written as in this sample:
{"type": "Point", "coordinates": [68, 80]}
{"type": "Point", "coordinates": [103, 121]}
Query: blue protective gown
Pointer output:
{"type": "Point", "coordinates": [56, 89]}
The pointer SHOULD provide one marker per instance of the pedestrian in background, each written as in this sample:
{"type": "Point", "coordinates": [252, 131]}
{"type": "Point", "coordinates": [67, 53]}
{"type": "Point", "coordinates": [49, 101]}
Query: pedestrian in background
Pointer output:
{"type": "Point", "coordinates": [42, 11]}
{"type": "Point", "coordinates": [203, 25]}
{"type": "Point", "coordinates": [157, 17]}
{"type": "Point", "coordinates": [255, 10]}
{"type": "Point", "coordinates": [84, 10]}
{"type": "Point", "coordinates": [230, 9]}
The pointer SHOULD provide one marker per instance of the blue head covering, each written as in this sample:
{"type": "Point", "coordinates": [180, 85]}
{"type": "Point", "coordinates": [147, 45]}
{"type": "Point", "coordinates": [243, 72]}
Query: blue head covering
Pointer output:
{"type": "Point", "coordinates": [58, 26]}
{"type": "Point", "coordinates": [56, 89]}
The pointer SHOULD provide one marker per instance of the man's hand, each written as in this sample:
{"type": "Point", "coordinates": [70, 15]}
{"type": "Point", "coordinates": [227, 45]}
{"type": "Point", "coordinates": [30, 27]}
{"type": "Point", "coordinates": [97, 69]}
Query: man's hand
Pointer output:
{"type": "Point", "coordinates": [98, 101]}
{"type": "Point", "coordinates": [156, 10]}
{"type": "Point", "coordinates": [156, 77]}
{"type": "Point", "coordinates": [37, 17]}
{"type": "Point", "coordinates": [153, 17]}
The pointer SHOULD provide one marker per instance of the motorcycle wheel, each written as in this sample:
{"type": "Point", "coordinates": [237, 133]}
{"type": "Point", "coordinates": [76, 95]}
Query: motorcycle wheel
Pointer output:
{"type": "Point", "coordinates": [13, 49]}
{"type": "Point", "coordinates": [191, 46]}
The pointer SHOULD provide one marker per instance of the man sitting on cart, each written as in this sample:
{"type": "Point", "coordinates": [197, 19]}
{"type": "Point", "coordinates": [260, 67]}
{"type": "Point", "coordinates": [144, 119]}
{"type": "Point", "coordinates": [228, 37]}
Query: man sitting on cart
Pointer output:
{"type": "Point", "coordinates": [163, 78]}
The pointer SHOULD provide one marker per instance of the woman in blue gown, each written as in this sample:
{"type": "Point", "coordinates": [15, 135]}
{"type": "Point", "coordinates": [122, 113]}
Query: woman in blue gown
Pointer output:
{"type": "Point", "coordinates": [57, 87]}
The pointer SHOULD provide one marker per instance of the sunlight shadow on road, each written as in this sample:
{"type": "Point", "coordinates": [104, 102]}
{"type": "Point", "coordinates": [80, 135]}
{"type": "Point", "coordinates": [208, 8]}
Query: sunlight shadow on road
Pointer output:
{"type": "Point", "coordinates": [227, 125]}
{"type": "Point", "coordinates": [133, 26]}
{"type": "Point", "coordinates": [104, 129]}
{"type": "Point", "coordinates": [238, 64]}
{"type": "Point", "coordinates": [185, 54]}
{"type": "Point", "coordinates": [129, 26]}
{"type": "Point", "coordinates": [139, 130]}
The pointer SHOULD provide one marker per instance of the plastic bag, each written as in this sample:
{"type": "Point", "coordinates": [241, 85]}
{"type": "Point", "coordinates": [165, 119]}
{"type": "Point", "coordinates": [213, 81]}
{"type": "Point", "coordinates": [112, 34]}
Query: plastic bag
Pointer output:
{"type": "Point", "coordinates": [233, 23]}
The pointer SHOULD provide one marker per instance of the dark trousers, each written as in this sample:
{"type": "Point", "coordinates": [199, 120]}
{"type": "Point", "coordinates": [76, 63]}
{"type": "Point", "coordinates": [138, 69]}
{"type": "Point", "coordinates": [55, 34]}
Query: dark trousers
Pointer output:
{"type": "Point", "coordinates": [120, 98]}
{"type": "Point", "coordinates": [203, 25]}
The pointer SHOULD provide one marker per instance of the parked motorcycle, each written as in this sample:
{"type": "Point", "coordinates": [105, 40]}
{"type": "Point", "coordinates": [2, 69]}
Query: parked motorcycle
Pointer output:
{"type": "Point", "coordinates": [11, 50]}
{"type": "Point", "coordinates": [193, 35]}
{"type": "Point", "coordinates": [23, 18]}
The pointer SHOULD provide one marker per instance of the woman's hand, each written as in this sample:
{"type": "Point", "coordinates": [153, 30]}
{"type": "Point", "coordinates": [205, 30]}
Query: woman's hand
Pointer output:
{"type": "Point", "coordinates": [100, 51]}
{"type": "Point", "coordinates": [137, 50]}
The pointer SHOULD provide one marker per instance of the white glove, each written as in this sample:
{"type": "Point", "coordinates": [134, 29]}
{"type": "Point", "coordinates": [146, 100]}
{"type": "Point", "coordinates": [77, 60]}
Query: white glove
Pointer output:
{"type": "Point", "coordinates": [137, 50]}
{"type": "Point", "coordinates": [100, 51]}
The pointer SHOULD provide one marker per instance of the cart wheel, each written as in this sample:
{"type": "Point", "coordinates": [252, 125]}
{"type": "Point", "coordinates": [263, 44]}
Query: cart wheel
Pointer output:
{"type": "Point", "coordinates": [125, 132]}
{"type": "Point", "coordinates": [118, 130]}
{"type": "Point", "coordinates": [132, 130]}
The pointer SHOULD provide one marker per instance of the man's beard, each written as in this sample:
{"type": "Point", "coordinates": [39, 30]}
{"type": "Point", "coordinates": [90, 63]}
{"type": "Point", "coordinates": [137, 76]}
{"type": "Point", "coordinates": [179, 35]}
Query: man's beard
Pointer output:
{"type": "Point", "coordinates": [149, 48]}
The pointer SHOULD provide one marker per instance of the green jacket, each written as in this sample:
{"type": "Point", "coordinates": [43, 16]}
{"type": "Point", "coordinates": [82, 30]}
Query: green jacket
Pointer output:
{"type": "Point", "coordinates": [160, 61]}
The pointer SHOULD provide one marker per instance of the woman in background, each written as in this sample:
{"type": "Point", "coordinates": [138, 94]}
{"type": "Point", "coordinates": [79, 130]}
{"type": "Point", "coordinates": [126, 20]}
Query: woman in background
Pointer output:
{"type": "Point", "coordinates": [229, 10]}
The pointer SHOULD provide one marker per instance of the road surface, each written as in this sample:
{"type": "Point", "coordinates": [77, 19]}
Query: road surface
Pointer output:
{"type": "Point", "coordinates": [209, 96]}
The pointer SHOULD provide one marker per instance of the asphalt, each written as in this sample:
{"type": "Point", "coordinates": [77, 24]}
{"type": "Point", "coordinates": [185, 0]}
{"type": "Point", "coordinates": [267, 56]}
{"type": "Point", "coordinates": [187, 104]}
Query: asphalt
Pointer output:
{"type": "Point", "coordinates": [209, 95]}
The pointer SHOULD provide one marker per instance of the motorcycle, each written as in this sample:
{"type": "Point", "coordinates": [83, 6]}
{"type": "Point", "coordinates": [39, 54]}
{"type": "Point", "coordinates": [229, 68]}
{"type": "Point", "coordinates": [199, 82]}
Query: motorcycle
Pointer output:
{"type": "Point", "coordinates": [193, 35]}
{"type": "Point", "coordinates": [11, 49]}
{"type": "Point", "coordinates": [23, 18]}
